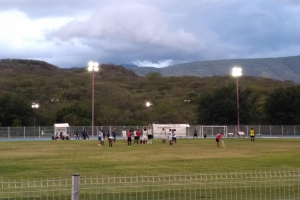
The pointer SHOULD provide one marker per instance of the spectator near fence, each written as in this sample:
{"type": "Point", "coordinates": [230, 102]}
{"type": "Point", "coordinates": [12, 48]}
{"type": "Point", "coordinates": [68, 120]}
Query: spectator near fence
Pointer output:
{"type": "Point", "coordinates": [76, 135]}
{"type": "Point", "coordinates": [100, 137]}
{"type": "Point", "coordinates": [252, 134]}
{"type": "Point", "coordinates": [195, 133]}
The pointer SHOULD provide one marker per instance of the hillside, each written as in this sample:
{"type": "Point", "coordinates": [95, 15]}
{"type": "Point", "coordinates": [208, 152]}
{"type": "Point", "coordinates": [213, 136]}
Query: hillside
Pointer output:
{"type": "Point", "coordinates": [285, 68]}
{"type": "Point", "coordinates": [120, 94]}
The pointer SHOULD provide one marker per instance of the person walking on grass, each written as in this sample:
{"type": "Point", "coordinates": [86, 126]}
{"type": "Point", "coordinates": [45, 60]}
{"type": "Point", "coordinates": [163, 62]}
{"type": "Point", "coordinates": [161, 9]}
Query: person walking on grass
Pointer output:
{"type": "Point", "coordinates": [218, 138]}
{"type": "Point", "coordinates": [100, 137]}
{"type": "Point", "coordinates": [124, 135]}
{"type": "Point", "coordinates": [163, 134]}
{"type": "Point", "coordinates": [252, 134]}
{"type": "Point", "coordinates": [129, 135]}
{"type": "Point", "coordinates": [114, 134]}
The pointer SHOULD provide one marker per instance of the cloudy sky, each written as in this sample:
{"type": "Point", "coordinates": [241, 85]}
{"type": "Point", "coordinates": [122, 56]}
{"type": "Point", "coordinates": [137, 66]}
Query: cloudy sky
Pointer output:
{"type": "Point", "coordinates": [69, 33]}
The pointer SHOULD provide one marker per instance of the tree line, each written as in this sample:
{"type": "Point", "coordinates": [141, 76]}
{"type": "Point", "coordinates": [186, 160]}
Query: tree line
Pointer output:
{"type": "Point", "coordinates": [120, 97]}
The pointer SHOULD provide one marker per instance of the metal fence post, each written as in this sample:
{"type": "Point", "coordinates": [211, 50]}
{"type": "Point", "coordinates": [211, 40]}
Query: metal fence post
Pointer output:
{"type": "Point", "coordinates": [75, 186]}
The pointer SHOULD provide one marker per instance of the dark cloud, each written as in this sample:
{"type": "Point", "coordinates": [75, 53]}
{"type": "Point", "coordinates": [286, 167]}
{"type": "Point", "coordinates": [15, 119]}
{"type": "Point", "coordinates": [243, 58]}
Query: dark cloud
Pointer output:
{"type": "Point", "coordinates": [72, 32]}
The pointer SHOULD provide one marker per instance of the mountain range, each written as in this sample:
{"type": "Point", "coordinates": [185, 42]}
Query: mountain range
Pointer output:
{"type": "Point", "coordinates": [281, 68]}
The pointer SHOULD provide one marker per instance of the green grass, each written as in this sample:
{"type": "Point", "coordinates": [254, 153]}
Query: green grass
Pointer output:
{"type": "Point", "coordinates": [60, 159]}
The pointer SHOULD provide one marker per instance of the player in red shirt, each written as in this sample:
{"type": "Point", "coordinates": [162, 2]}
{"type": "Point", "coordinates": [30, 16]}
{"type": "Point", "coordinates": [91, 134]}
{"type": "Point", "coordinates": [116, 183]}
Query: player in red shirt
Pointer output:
{"type": "Point", "coordinates": [218, 138]}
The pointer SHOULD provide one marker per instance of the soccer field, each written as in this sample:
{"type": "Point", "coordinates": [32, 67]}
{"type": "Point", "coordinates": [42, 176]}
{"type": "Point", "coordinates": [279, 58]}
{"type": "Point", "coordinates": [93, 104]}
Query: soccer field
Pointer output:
{"type": "Point", "coordinates": [61, 159]}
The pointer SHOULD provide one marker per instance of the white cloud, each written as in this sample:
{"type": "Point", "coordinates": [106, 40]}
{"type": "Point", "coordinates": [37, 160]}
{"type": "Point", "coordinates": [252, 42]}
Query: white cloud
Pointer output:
{"type": "Point", "coordinates": [159, 64]}
{"type": "Point", "coordinates": [72, 32]}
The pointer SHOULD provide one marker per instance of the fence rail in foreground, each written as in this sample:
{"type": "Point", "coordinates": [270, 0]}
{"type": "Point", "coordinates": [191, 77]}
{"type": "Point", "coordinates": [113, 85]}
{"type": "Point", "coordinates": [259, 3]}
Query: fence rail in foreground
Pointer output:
{"type": "Point", "coordinates": [222, 186]}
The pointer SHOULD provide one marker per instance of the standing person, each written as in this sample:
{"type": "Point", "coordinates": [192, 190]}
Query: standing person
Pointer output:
{"type": "Point", "coordinates": [150, 134]}
{"type": "Point", "coordinates": [100, 137]}
{"type": "Point", "coordinates": [103, 135]}
{"type": "Point", "coordinates": [195, 133]}
{"type": "Point", "coordinates": [129, 135]}
{"type": "Point", "coordinates": [138, 135]}
{"type": "Point", "coordinates": [145, 135]}
{"type": "Point", "coordinates": [170, 137]}
{"type": "Point", "coordinates": [87, 134]}
{"type": "Point", "coordinates": [110, 141]}
{"type": "Point", "coordinates": [83, 135]}
{"type": "Point", "coordinates": [163, 134]}
{"type": "Point", "coordinates": [114, 134]}
{"type": "Point", "coordinates": [76, 135]}
{"type": "Point", "coordinates": [252, 134]}
{"type": "Point", "coordinates": [108, 133]}
{"type": "Point", "coordinates": [124, 135]}
{"type": "Point", "coordinates": [174, 136]}
{"type": "Point", "coordinates": [135, 137]}
{"type": "Point", "coordinates": [218, 138]}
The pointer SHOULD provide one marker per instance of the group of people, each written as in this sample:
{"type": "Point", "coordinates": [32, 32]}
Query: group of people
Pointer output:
{"type": "Point", "coordinates": [170, 135]}
{"type": "Point", "coordinates": [111, 137]}
{"type": "Point", "coordinates": [143, 137]}
{"type": "Point", "coordinates": [61, 136]}
{"type": "Point", "coordinates": [146, 136]}
{"type": "Point", "coordinates": [140, 137]}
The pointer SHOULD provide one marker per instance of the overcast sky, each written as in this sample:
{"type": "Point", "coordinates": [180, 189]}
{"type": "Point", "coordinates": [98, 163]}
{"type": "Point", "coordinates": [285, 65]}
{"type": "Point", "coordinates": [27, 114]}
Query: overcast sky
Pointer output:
{"type": "Point", "coordinates": [69, 33]}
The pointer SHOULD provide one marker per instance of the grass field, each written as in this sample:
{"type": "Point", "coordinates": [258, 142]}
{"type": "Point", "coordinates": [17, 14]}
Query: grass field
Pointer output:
{"type": "Point", "coordinates": [60, 159]}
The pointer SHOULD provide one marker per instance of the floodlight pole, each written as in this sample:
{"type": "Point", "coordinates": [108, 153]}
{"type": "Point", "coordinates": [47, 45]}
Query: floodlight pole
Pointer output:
{"type": "Point", "coordinates": [238, 104]}
{"type": "Point", "coordinates": [93, 66]}
{"type": "Point", "coordinates": [93, 101]}
{"type": "Point", "coordinates": [237, 72]}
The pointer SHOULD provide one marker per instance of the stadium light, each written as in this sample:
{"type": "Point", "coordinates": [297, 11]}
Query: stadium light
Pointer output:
{"type": "Point", "coordinates": [148, 104]}
{"type": "Point", "coordinates": [93, 67]}
{"type": "Point", "coordinates": [237, 72]}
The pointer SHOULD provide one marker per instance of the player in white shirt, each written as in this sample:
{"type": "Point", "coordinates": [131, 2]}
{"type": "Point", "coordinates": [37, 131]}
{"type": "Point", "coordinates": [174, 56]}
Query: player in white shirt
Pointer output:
{"type": "Point", "coordinates": [100, 137]}
{"type": "Point", "coordinates": [124, 135]}
{"type": "Point", "coordinates": [145, 135]}
{"type": "Point", "coordinates": [163, 134]}
{"type": "Point", "coordinates": [150, 134]}
{"type": "Point", "coordinates": [170, 136]}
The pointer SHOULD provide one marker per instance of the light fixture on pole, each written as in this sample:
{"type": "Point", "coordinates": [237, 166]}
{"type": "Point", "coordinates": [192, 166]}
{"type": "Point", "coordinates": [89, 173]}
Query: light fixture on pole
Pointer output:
{"type": "Point", "coordinates": [237, 72]}
{"type": "Point", "coordinates": [54, 117]}
{"type": "Point", "coordinates": [148, 104]}
{"type": "Point", "coordinates": [34, 105]}
{"type": "Point", "coordinates": [93, 67]}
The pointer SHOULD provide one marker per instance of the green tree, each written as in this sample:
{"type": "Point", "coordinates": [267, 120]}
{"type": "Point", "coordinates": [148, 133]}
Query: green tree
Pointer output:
{"type": "Point", "coordinates": [15, 110]}
{"type": "Point", "coordinates": [76, 113]}
{"type": "Point", "coordinates": [153, 75]}
{"type": "Point", "coordinates": [220, 107]}
{"type": "Point", "coordinates": [282, 106]}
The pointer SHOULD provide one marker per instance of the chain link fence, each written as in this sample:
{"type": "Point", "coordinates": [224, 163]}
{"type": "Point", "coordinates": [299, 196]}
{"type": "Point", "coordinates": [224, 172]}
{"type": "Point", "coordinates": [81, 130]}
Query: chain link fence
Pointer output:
{"type": "Point", "coordinates": [46, 132]}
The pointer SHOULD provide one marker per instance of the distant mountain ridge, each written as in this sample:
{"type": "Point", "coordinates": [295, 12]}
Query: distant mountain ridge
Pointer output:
{"type": "Point", "coordinates": [282, 68]}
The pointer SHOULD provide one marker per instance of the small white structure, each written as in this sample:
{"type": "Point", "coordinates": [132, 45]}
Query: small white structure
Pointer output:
{"type": "Point", "coordinates": [181, 129]}
{"type": "Point", "coordinates": [61, 128]}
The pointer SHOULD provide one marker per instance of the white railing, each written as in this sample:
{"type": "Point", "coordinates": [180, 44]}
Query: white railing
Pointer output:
{"type": "Point", "coordinates": [255, 185]}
